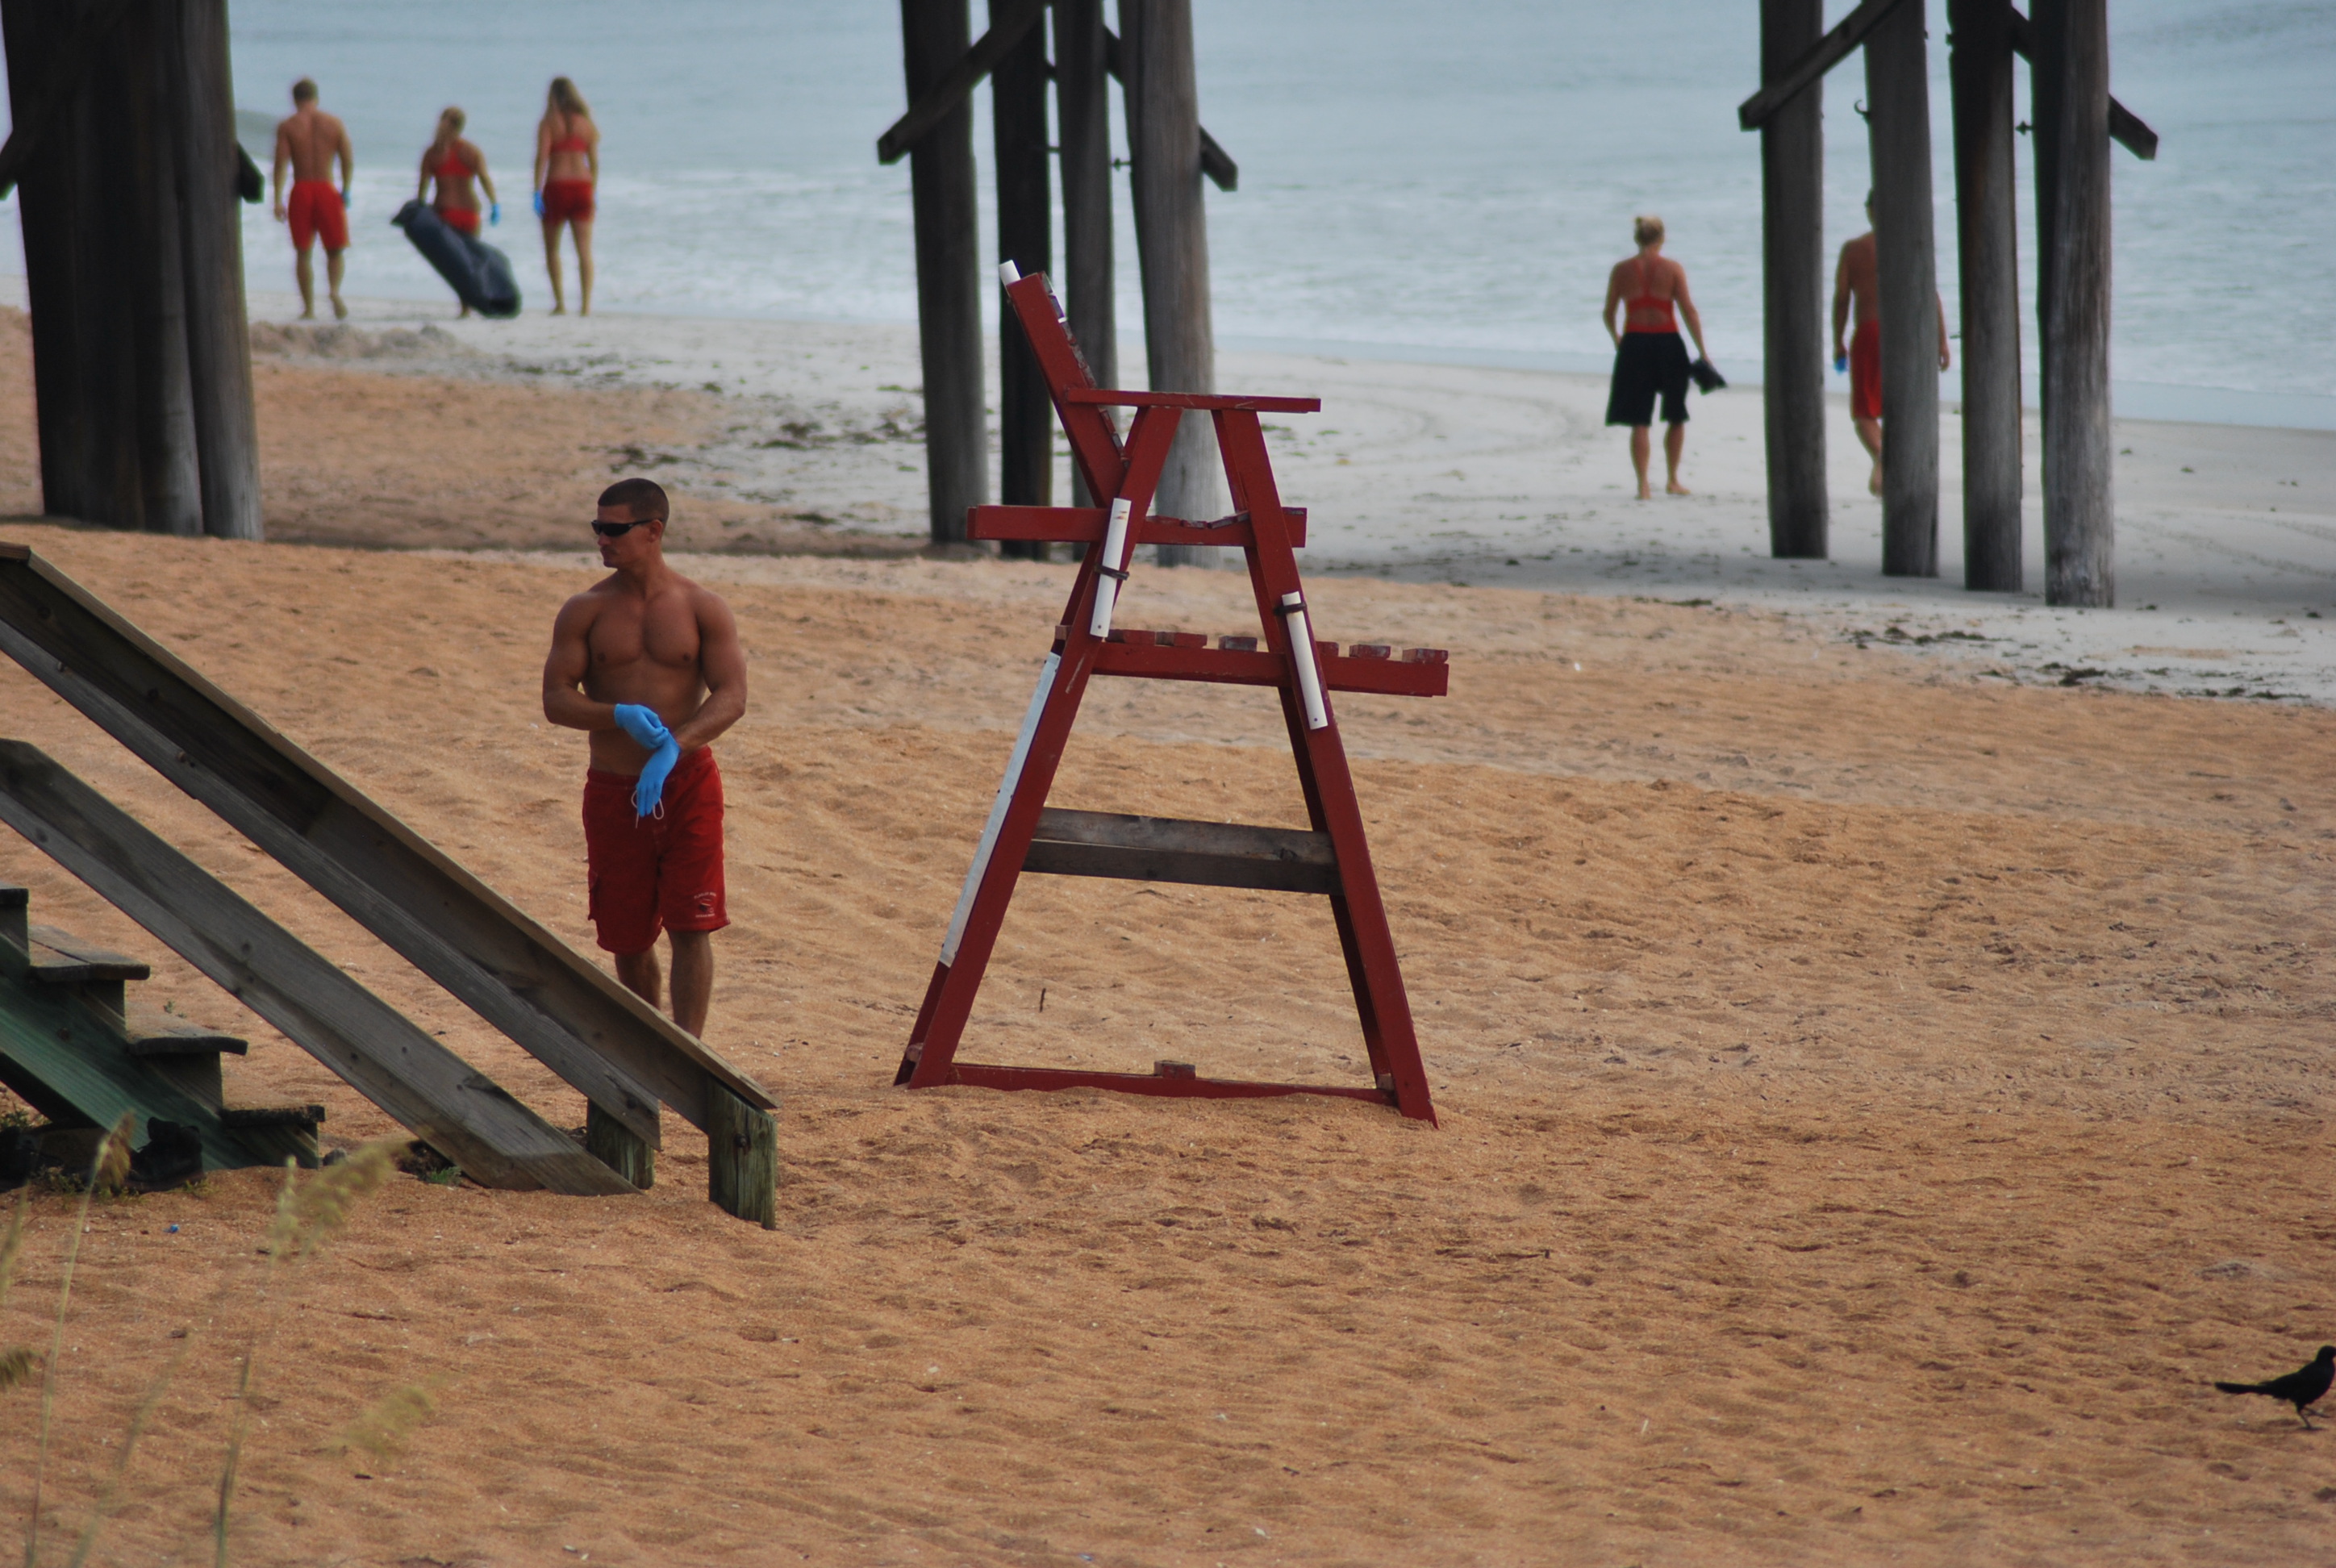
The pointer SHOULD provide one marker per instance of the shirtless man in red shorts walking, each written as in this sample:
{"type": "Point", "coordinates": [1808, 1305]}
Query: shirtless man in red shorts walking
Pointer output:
{"type": "Point", "coordinates": [310, 140]}
{"type": "Point", "coordinates": [661, 674]}
{"type": "Point", "coordinates": [1858, 283]}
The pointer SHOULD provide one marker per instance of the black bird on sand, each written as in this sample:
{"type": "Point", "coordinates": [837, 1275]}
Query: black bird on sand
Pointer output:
{"type": "Point", "coordinates": [2298, 1387]}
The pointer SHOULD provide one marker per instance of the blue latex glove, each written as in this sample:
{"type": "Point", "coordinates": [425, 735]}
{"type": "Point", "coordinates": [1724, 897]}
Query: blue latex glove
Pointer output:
{"type": "Point", "coordinates": [539, 204]}
{"type": "Point", "coordinates": [494, 213]}
{"type": "Point", "coordinates": [644, 726]}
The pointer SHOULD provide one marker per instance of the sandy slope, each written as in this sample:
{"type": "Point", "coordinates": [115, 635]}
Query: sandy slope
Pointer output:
{"type": "Point", "coordinates": [1875, 1100]}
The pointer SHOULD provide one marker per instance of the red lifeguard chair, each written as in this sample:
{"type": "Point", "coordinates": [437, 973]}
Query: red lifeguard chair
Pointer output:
{"type": "Point", "coordinates": [1023, 834]}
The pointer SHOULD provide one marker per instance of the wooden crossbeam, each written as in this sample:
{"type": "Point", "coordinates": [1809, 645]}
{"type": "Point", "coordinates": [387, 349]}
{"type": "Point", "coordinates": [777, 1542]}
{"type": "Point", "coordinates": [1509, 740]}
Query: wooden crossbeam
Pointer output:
{"type": "Point", "coordinates": [982, 59]}
{"type": "Point", "coordinates": [1827, 53]}
{"type": "Point", "coordinates": [2126, 127]}
{"type": "Point", "coordinates": [949, 91]}
{"type": "Point", "coordinates": [1075, 843]}
{"type": "Point", "coordinates": [1084, 525]}
{"type": "Point", "coordinates": [1264, 667]}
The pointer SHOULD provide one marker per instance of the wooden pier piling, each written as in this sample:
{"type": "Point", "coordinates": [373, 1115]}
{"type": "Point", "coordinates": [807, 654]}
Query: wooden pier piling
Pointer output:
{"type": "Point", "coordinates": [1083, 114]}
{"type": "Point", "coordinates": [1898, 126]}
{"type": "Point", "coordinates": [1172, 242]}
{"type": "Point", "coordinates": [201, 111]}
{"type": "Point", "coordinates": [1985, 231]}
{"type": "Point", "coordinates": [1025, 416]}
{"type": "Point", "coordinates": [949, 273]}
{"type": "Point", "coordinates": [1792, 174]}
{"type": "Point", "coordinates": [2070, 71]}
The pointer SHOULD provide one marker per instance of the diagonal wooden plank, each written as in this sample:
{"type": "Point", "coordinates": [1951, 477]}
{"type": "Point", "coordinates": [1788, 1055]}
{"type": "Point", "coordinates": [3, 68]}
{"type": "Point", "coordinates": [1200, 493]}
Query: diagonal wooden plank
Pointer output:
{"type": "Point", "coordinates": [979, 60]}
{"type": "Point", "coordinates": [376, 1049]}
{"type": "Point", "coordinates": [1824, 54]}
{"type": "Point", "coordinates": [949, 91]}
{"type": "Point", "coordinates": [2126, 127]}
{"type": "Point", "coordinates": [569, 1013]}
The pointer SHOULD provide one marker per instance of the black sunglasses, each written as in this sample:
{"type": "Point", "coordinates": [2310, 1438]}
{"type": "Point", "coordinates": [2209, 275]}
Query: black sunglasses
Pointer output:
{"type": "Point", "coordinates": [618, 529]}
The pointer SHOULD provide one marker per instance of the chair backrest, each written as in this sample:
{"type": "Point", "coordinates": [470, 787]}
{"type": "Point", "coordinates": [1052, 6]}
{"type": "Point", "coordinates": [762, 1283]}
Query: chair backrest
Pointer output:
{"type": "Point", "coordinates": [1095, 444]}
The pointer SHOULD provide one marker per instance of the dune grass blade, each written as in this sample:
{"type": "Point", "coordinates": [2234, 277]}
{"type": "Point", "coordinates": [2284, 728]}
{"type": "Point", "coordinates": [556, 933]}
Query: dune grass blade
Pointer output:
{"type": "Point", "coordinates": [381, 1431]}
{"type": "Point", "coordinates": [307, 1215]}
{"type": "Point", "coordinates": [17, 1362]}
{"type": "Point", "coordinates": [145, 1413]}
{"type": "Point", "coordinates": [106, 1162]}
{"type": "Point", "coordinates": [13, 1244]}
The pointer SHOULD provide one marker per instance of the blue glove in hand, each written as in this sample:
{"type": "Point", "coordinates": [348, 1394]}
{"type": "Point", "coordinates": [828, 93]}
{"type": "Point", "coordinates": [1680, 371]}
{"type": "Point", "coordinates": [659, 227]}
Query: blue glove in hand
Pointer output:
{"type": "Point", "coordinates": [644, 726]}
{"type": "Point", "coordinates": [539, 204]}
{"type": "Point", "coordinates": [494, 213]}
{"type": "Point", "coordinates": [1840, 363]}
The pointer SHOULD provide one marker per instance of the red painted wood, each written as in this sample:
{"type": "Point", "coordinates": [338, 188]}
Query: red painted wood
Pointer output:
{"type": "Point", "coordinates": [1093, 397]}
{"type": "Point", "coordinates": [1226, 667]}
{"type": "Point", "coordinates": [1268, 535]}
{"type": "Point", "coordinates": [1084, 525]}
{"type": "Point", "coordinates": [981, 1075]}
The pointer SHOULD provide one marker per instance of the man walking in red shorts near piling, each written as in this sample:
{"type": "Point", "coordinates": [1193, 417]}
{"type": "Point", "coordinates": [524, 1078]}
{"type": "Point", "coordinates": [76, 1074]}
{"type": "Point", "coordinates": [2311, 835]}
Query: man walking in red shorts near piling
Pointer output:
{"type": "Point", "coordinates": [649, 663]}
{"type": "Point", "coordinates": [310, 140]}
{"type": "Point", "coordinates": [1858, 284]}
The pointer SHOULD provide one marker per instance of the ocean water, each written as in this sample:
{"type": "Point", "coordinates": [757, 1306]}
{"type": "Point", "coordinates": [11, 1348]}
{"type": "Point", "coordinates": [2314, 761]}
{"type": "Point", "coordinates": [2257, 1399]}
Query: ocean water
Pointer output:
{"type": "Point", "coordinates": [1412, 181]}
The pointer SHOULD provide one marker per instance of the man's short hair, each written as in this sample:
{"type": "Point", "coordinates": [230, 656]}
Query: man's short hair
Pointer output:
{"type": "Point", "coordinates": [1647, 230]}
{"type": "Point", "coordinates": [644, 498]}
{"type": "Point", "coordinates": [304, 91]}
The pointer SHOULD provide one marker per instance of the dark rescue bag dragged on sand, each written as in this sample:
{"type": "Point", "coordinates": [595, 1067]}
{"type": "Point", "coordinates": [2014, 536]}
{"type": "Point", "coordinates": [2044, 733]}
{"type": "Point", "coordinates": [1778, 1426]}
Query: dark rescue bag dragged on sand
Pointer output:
{"type": "Point", "coordinates": [479, 274]}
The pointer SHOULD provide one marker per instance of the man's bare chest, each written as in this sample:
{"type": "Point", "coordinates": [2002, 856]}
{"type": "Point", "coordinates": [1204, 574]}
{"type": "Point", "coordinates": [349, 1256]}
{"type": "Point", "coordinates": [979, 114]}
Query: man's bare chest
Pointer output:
{"type": "Point", "coordinates": [624, 636]}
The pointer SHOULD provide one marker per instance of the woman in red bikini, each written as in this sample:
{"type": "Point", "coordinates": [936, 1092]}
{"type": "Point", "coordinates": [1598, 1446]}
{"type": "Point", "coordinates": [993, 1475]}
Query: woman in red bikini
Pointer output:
{"type": "Point", "coordinates": [460, 171]}
{"type": "Point", "coordinates": [566, 168]}
{"type": "Point", "coordinates": [1649, 357]}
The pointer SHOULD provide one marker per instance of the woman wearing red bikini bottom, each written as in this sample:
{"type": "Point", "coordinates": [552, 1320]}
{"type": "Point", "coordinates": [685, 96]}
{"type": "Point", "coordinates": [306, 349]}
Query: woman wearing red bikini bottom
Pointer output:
{"type": "Point", "coordinates": [566, 171]}
{"type": "Point", "coordinates": [460, 171]}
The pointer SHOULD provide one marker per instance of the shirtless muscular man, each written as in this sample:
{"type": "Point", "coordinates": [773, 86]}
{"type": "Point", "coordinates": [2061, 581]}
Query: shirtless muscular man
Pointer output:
{"type": "Point", "coordinates": [649, 663]}
{"type": "Point", "coordinates": [310, 141]}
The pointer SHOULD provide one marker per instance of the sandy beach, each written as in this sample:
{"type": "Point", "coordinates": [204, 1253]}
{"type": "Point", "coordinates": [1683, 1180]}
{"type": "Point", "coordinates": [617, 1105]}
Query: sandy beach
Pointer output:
{"type": "Point", "coordinates": [1882, 1078]}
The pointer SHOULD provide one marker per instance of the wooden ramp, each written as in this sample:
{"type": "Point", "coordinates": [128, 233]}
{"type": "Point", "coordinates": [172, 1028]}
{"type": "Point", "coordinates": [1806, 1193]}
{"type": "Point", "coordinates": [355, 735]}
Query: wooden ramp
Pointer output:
{"type": "Point", "coordinates": [625, 1056]}
{"type": "Point", "coordinates": [375, 1050]}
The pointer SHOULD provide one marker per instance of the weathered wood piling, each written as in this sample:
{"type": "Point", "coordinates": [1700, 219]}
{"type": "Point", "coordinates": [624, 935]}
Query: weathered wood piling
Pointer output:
{"type": "Point", "coordinates": [124, 153]}
{"type": "Point", "coordinates": [1171, 243]}
{"type": "Point", "coordinates": [1025, 417]}
{"type": "Point", "coordinates": [1898, 131]}
{"type": "Point", "coordinates": [1979, 82]}
{"type": "Point", "coordinates": [1793, 273]}
{"type": "Point", "coordinates": [934, 39]}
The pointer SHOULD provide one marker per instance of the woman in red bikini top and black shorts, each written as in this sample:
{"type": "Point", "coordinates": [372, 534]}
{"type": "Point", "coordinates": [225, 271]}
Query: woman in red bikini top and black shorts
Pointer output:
{"type": "Point", "coordinates": [566, 168]}
{"type": "Point", "coordinates": [1650, 360]}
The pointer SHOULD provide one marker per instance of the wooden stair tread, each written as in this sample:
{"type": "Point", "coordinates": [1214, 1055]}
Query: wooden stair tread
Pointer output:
{"type": "Point", "coordinates": [271, 1116]}
{"type": "Point", "coordinates": [60, 958]}
{"type": "Point", "coordinates": [158, 1035]}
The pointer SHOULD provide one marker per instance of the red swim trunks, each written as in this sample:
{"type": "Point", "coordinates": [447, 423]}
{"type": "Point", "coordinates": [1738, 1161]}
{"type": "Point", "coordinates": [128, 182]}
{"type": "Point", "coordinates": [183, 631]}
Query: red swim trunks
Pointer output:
{"type": "Point", "coordinates": [662, 873]}
{"type": "Point", "coordinates": [1866, 372]}
{"type": "Point", "coordinates": [567, 200]}
{"type": "Point", "coordinates": [460, 217]}
{"type": "Point", "coordinates": [314, 212]}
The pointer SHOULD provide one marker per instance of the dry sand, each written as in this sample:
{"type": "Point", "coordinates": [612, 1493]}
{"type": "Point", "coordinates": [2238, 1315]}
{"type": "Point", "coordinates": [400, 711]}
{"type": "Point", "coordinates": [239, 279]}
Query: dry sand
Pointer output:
{"type": "Point", "coordinates": [1877, 1096]}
